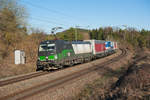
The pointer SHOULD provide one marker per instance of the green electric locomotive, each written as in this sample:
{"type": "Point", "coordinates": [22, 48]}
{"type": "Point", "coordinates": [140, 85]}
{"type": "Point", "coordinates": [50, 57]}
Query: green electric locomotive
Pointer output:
{"type": "Point", "coordinates": [54, 54]}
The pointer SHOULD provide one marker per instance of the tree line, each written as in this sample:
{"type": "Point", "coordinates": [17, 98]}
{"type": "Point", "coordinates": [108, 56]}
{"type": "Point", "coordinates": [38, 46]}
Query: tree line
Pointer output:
{"type": "Point", "coordinates": [137, 38]}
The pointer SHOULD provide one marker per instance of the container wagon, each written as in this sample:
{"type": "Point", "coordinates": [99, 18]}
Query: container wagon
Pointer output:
{"type": "Point", "coordinates": [98, 47]}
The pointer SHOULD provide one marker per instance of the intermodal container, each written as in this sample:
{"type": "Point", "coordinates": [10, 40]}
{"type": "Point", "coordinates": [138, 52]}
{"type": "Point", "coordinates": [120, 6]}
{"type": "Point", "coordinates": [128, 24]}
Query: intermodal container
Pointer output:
{"type": "Point", "coordinates": [81, 47]}
{"type": "Point", "coordinates": [98, 46]}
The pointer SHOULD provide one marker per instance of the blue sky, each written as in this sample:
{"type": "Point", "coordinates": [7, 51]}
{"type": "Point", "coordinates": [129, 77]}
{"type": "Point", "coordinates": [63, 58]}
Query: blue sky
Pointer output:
{"type": "Point", "coordinates": [46, 14]}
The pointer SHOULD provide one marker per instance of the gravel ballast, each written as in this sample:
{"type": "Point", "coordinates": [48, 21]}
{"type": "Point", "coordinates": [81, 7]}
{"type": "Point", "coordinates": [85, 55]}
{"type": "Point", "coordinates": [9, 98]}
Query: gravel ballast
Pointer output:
{"type": "Point", "coordinates": [73, 87]}
{"type": "Point", "coordinates": [19, 86]}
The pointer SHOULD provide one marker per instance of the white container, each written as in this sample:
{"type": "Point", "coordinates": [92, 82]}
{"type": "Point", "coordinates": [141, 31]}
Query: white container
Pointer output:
{"type": "Point", "coordinates": [113, 45]}
{"type": "Point", "coordinates": [19, 57]}
{"type": "Point", "coordinates": [81, 47]}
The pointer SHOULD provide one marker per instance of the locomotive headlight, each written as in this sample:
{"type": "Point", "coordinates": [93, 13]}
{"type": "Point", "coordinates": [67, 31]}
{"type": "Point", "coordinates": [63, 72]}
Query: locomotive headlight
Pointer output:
{"type": "Point", "coordinates": [55, 56]}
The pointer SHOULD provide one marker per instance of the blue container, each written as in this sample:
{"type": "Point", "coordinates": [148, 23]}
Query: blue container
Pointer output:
{"type": "Point", "coordinates": [107, 44]}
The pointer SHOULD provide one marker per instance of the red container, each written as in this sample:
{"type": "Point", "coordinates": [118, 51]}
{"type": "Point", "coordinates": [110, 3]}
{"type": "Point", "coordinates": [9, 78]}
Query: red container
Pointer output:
{"type": "Point", "coordinates": [98, 46]}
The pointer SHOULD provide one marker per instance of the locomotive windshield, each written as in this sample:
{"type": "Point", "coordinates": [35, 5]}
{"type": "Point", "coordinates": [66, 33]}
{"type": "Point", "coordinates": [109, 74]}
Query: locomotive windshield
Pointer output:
{"type": "Point", "coordinates": [47, 47]}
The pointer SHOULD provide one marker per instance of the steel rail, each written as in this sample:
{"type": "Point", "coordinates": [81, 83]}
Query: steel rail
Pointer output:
{"type": "Point", "coordinates": [25, 77]}
{"type": "Point", "coordinates": [61, 80]}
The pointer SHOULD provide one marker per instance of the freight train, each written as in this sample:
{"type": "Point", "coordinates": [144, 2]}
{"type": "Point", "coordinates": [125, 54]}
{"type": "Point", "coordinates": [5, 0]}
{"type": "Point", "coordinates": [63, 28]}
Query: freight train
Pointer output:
{"type": "Point", "coordinates": [55, 54]}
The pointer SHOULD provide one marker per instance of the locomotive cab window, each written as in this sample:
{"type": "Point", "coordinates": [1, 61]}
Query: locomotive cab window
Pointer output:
{"type": "Point", "coordinates": [50, 47]}
{"type": "Point", "coordinates": [47, 47]}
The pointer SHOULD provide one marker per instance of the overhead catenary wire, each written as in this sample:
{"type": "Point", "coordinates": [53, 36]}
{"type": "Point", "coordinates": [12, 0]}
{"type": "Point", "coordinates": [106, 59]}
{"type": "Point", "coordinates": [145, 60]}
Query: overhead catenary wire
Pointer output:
{"type": "Point", "coordinates": [53, 20]}
{"type": "Point", "coordinates": [50, 10]}
{"type": "Point", "coordinates": [42, 7]}
{"type": "Point", "coordinates": [50, 21]}
{"type": "Point", "coordinates": [47, 21]}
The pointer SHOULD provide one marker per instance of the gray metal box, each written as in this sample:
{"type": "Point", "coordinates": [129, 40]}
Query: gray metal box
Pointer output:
{"type": "Point", "coordinates": [19, 57]}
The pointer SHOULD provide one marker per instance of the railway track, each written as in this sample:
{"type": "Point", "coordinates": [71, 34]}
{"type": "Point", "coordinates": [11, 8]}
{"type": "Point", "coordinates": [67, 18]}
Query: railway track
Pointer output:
{"type": "Point", "coordinates": [22, 78]}
{"type": "Point", "coordinates": [61, 80]}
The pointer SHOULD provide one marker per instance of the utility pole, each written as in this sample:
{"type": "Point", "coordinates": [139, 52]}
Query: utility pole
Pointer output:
{"type": "Point", "coordinates": [88, 29]}
{"type": "Point", "coordinates": [125, 30]}
{"type": "Point", "coordinates": [76, 33]}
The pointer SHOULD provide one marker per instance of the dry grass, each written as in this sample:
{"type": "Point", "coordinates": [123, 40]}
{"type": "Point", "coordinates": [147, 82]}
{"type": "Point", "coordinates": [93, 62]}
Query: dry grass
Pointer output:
{"type": "Point", "coordinates": [99, 88]}
{"type": "Point", "coordinates": [120, 84]}
{"type": "Point", "coordinates": [135, 85]}
{"type": "Point", "coordinates": [30, 46]}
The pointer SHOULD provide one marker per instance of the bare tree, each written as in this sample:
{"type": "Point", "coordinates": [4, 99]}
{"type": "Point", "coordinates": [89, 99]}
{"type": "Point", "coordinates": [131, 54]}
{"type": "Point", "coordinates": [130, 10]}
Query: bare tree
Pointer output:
{"type": "Point", "coordinates": [12, 21]}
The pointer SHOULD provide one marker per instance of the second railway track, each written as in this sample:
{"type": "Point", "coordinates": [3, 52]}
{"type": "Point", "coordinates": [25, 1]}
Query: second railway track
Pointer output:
{"type": "Point", "coordinates": [54, 83]}
{"type": "Point", "coordinates": [21, 78]}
